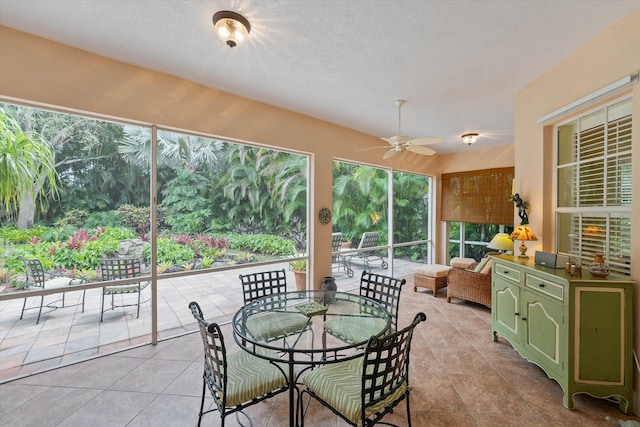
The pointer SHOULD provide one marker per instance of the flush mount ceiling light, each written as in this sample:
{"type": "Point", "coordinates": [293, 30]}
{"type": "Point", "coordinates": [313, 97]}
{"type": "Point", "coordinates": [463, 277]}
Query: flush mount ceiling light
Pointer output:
{"type": "Point", "coordinates": [231, 27]}
{"type": "Point", "coordinates": [469, 138]}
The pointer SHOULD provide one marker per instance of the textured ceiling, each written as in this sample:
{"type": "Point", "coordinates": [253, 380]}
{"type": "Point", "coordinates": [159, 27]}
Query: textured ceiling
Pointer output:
{"type": "Point", "coordinates": [458, 63]}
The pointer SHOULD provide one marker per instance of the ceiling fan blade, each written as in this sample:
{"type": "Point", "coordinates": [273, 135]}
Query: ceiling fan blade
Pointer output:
{"type": "Point", "coordinates": [373, 148]}
{"type": "Point", "coordinates": [419, 149]}
{"type": "Point", "coordinates": [425, 141]}
{"type": "Point", "coordinates": [389, 154]}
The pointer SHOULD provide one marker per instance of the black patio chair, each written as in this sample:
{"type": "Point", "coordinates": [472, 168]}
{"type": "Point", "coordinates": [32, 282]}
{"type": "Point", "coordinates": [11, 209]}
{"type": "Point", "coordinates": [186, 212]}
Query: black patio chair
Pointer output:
{"type": "Point", "coordinates": [369, 240]}
{"type": "Point", "coordinates": [236, 380]}
{"type": "Point", "coordinates": [363, 390]}
{"type": "Point", "coordinates": [383, 289]}
{"type": "Point", "coordinates": [121, 268]}
{"type": "Point", "coordinates": [271, 326]}
{"type": "Point", "coordinates": [38, 278]}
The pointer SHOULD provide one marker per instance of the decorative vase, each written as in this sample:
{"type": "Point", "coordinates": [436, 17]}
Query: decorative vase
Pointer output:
{"type": "Point", "coordinates": [599, 268]}
{"type": "Point", "coordinates": [329, 289]}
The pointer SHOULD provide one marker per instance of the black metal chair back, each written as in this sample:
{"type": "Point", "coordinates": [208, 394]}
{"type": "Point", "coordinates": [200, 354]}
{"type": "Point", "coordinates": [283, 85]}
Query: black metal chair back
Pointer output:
{"type": "Point", "coordinates": [215, 357]}
{"type": "Point", "coordinates": [256, 285]}
{"type": "Point", "coordinates": [121, 268]}
{"type": "Point", "coordinates": [385, 290]}
{"type": "Point", "coordinates": [35, 272]}
{"type": "Point", "coordinates": [386, 370]}
{"type": "Point", "coordinates": [383, 374]}
{"type": "Point", "coordinates": [257, 374]}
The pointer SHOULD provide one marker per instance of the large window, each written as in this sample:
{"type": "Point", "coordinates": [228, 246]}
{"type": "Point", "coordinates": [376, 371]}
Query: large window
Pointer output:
{"type": "Point", "coordinates": [470, 240]}
{"type": "Point", "coordinates": [594, 186]}
{"type": "Point", "coordinates": [361, 204]}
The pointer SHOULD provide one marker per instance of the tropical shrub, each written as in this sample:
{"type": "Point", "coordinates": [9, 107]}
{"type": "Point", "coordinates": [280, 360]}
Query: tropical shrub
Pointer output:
{"type": "Point", "coordinates": [267, 244]}
{"type": "Point", "coordinates": [15, 236]}
{"type": "Point", "coordinates": [170, 252]}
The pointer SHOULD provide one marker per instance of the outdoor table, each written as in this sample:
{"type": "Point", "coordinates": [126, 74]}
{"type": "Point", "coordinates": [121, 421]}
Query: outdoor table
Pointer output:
{"type": "Point", "coordinates": [304, 349]}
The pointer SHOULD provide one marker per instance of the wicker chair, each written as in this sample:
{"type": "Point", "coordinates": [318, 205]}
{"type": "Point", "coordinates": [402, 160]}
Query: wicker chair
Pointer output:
{"type": "Point", "coordinates": [469, 285]}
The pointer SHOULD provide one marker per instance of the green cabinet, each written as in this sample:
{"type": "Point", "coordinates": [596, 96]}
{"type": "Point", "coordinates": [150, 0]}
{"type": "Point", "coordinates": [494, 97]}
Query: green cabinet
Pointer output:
{"type": "Point", "coordinates": [577, 329]}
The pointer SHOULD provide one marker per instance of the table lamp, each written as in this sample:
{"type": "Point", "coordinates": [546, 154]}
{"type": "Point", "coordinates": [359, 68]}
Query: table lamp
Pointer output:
{"type": "Point", "coordinates": [523, 233]}
{"type": "Point", "coordinates": [501, 242]}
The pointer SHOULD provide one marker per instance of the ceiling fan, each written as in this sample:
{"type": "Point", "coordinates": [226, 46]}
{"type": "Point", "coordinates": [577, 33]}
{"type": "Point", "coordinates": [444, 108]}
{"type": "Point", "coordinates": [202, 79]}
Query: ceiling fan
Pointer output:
{"type": "Point", "coordinates": [402, 142]}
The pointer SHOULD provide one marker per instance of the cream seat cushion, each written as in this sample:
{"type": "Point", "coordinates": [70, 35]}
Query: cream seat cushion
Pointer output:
{"type": "Point", "coordinates": [433, 270]}
{"type": "Point", "coordinates": [462, 263]}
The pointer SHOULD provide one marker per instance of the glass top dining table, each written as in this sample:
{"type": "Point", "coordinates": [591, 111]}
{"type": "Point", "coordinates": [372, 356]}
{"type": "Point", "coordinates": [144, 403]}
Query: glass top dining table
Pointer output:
{"type": "Point", "coordinates": [289, 328]}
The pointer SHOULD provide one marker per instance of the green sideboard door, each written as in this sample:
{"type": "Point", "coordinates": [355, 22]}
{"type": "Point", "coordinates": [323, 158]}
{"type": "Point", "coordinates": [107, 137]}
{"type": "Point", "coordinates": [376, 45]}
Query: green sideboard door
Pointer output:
{"type": "Point", "coordinates": [577, 329]}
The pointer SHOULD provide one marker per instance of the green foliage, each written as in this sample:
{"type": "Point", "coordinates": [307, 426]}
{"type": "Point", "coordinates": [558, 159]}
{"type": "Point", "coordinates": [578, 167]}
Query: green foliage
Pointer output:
{"type": "Point", "coordinates": [75, 217]}
{"type": "Point", "coordinates": [57, 234]}
{"type": "Point", "coordinates": [14, 236]}
{"type": "Point", "coordinates": [136, 218]}
{"type": "Point", "coordinates": [170, 252]}
{"type": "Point", "coordinates": [299, 265]}
{"type": "Point", "coordinates": [102, 219]}
{"type": "Point", "coordinates": [267, 244]}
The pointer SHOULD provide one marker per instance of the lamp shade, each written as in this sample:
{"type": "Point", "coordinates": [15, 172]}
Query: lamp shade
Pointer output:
{"type": "Point", "coordinates": [523, 232]}
{"type": "Point", "coordinates": [501, 242]}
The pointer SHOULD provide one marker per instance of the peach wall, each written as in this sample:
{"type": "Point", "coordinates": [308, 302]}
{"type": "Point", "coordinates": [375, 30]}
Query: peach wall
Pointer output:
{"type": "Point", "coordinates": [48, 73]}
{"type": "Point", "coordinates": [607, 58]}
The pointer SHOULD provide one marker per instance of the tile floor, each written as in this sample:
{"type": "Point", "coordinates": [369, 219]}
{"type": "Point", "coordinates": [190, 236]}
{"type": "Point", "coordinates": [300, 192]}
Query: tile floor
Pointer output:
{"type": "Point", "coordinates": [460, 378]}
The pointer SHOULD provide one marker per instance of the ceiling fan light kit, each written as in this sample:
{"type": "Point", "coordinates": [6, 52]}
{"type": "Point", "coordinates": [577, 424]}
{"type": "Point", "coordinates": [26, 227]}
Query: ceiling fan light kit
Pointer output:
{"type": "Point", "coordinates": [402, 142]}
{"type": "Point", "coordinates": [231, 27]}
{"type": "Point", "coordinates": [469, 138]}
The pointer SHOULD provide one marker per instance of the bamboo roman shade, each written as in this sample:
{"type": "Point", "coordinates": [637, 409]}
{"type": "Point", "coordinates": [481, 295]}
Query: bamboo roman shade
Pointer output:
{"type": "Point", "coordinates": [481, 197]}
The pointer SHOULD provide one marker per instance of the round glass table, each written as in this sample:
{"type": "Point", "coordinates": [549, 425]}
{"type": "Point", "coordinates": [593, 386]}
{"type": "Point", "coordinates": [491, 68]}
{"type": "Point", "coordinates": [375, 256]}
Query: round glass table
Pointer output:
{"type": "Point", "coordinates": [288, 328]}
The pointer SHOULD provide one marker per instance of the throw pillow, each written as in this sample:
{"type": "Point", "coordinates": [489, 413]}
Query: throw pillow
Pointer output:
{"type": "Point", "coordinates": [481, 265]}
{"type": "Point", "coordinates": [487, 268]}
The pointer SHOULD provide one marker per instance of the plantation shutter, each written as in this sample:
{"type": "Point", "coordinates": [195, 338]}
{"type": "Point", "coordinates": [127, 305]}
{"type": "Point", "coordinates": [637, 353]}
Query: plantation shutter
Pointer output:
{"type": "Point", "coordinates": [594, 186]}
{"type": "Point", "coordinates": [480, 197]}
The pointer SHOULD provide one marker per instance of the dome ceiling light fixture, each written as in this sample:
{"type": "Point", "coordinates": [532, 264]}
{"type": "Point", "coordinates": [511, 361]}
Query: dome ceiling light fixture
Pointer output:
{"type": "Point", "coordinates": [231, 27]}
{"type": "Point", "coordinates": [469, 138]}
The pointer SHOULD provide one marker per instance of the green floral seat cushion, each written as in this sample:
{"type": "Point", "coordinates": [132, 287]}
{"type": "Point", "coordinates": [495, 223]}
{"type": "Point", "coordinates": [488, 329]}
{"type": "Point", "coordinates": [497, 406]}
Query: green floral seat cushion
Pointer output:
{"type": "Point", "coordinates": [270, 326]}
{"type": "Point", "coordinates": [250, 376]}
{"type": "Point", "coordinates": [339, 384]}
{"type": "Point", "coordinates": [354, 329]}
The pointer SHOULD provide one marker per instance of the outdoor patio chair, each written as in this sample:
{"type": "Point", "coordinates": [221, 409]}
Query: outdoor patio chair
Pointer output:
{"type": "Point", "coordinates": [121, 268]}
{"type": "Point", "coordinates": [336, 258]}
{"type": "Point", "coordinates": [362, 391]}
{"type": "Point", "coordinates": [37, 278]}
{"type": "Point", "coordinates": [236, 380]}
{"type": "Point", "coordinates": [271, 326]}
{"type": "Point", "coordinates": [383, 289]}
{"type": "Point", "coordinates": [369, 240]}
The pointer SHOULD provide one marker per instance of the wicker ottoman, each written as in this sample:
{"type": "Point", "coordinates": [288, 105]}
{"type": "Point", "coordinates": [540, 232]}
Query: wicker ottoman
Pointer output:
{"type": "Point", "coordinates": [432, 276]}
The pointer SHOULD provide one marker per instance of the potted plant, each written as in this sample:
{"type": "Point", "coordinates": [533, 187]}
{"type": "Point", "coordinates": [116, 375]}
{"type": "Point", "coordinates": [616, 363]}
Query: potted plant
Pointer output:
{"type": "Point", "coordinates": [299, 268]}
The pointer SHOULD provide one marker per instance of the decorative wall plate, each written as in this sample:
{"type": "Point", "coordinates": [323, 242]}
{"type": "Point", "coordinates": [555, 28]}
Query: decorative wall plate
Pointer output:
{"type": "Point", "coordinates": [324, 215]}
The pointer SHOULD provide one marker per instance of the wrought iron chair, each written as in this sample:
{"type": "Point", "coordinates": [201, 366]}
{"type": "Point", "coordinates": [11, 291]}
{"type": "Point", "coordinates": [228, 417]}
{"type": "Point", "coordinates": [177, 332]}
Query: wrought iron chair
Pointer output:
{"type": "Point", "coordinates": [336, 258]}
{"type": "Point", "coordinates": [121, 268]}
{"type": "Point", "coordinates": [37, 278]}
{"type": "Point", "coordinates": [236, 380]}
{"type": "Point", "coordinates": [271, 326]}
{"type": "Point", "coordinates": [369, 240]}
{"type": "Point", "coordinates": [363, 390]}
{"type": "Point", "coordinates": [382, 289]}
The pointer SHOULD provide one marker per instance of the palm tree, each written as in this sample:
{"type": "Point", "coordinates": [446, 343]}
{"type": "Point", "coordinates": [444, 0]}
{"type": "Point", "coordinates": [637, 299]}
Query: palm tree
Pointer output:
{"type": "Point", "coordinates": [27, 167]}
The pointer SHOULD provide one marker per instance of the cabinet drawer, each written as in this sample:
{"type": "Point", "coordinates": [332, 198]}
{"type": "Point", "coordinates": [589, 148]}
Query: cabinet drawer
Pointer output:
{"type": "Point", "coordinates": [508, 273]}
{"type": "Point", "coordinates": [545, 286]}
